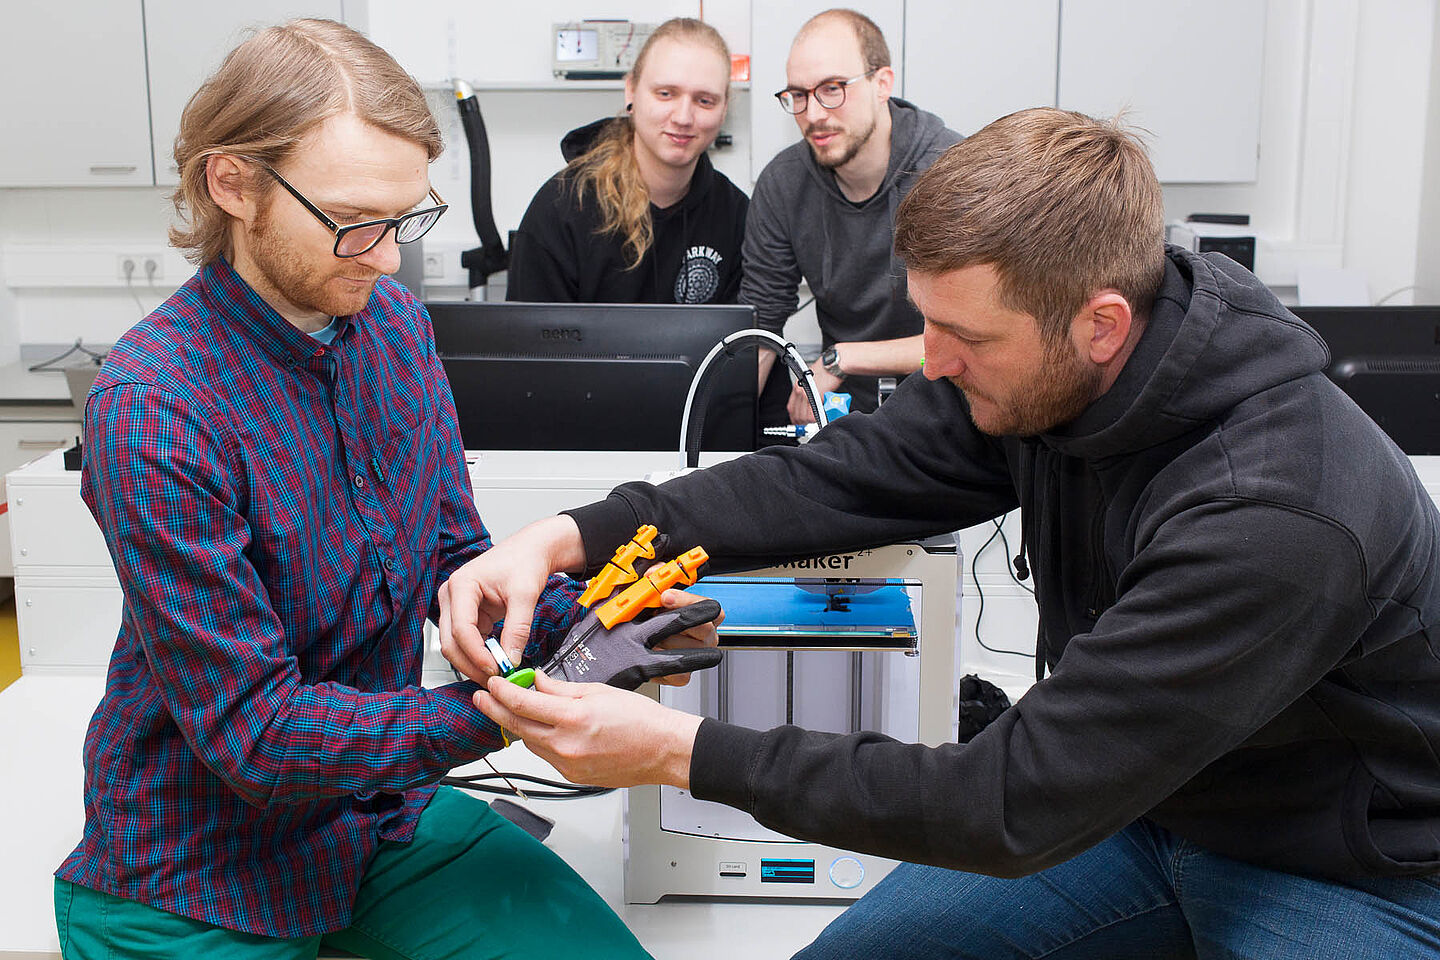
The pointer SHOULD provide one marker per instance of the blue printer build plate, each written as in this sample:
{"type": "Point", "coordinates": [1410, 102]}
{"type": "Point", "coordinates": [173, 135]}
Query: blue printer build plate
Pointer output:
{"type": "Point", "coordinates": [763, 611]}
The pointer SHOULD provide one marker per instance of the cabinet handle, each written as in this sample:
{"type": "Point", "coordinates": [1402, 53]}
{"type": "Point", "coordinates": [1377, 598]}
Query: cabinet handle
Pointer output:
{"type": "Point", "coordinates": [41, 444]}
{"type": "Point", "coordinates": [117, 168]}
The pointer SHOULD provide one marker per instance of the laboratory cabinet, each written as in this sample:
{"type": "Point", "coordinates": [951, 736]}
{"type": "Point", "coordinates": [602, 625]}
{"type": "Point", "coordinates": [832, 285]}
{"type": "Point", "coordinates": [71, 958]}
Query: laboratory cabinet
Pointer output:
{"type": "Point", "coordinates": [76, 110]}
{"type": "Point", "coordinates": [95, 88]}
{"type": "Point", "coordinates": [1187, 73]}
{"type": "Point", "coordinates": [28, 432]}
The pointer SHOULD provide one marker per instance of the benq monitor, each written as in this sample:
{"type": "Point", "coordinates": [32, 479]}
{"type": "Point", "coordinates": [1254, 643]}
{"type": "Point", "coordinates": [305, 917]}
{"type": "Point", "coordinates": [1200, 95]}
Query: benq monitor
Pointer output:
{"type": "Point", "coordinates": [582, 376]}
{"type": "Point", "coordinates": [1388, 360]}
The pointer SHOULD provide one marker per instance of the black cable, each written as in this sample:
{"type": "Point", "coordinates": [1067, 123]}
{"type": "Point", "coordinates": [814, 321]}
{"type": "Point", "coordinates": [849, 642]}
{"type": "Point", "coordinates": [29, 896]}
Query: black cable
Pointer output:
{"type": "Point", "coordinates": [980, 592]}
{"type": "Point", "coordinates": [483, 783]}
{"type": "Point", "coordinates": [1005, 541]}
{"type": "Point", "coordinates": [77, 347]}
{"type": "Point", "coordinates": [528, 795]}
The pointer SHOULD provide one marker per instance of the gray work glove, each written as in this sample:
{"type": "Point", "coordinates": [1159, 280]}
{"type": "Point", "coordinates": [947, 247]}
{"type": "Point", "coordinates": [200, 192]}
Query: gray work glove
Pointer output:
{"type": "Point", "coordinates": [625, 656]}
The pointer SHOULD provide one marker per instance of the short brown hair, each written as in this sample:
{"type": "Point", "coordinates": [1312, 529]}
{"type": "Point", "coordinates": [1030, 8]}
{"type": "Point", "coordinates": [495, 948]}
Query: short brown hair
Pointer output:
{"type": "Point", "coordinates": [270, 92]}
{"type": "Point", "coordinates": [873, 49]}
{"type": "Point", "coordinates": [1061, 205]}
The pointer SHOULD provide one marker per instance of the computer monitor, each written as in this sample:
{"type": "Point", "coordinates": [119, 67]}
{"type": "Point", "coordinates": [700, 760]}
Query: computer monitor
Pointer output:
{"type": "Point", "coordinates": [584, 376]}
{"type": "Point", "coordinates": [1388, 360]}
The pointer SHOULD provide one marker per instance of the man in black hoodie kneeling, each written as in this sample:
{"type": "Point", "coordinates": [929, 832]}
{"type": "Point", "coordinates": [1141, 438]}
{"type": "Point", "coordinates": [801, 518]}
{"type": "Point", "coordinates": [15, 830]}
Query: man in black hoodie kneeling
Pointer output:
{"type": "Point", "coordinates": [1231, 749]}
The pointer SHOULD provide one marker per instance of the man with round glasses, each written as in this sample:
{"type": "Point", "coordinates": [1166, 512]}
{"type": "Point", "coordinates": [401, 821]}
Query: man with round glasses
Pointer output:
{"type": "Point", "coordinates": [824, 209]}
{"type": "Point", "coordinates": [273, 458]}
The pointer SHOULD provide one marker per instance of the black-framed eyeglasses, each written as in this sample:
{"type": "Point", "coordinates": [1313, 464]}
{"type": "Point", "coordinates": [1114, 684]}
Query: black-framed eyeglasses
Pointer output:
{"type": "Point", "coordinates": [355, 239]}
{"type": "Point", "coordinates": [830, 94]}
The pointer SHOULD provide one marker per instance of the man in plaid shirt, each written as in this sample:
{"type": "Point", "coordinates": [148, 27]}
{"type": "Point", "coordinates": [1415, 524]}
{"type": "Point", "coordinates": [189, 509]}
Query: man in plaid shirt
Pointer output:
{"type": "Point", "coordinates": [274, 460]}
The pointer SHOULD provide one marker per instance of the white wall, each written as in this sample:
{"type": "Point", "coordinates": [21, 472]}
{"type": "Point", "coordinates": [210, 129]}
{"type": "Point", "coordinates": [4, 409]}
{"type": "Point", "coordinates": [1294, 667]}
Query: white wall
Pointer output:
{"type": "Point", "coordinates": [1347, 89]}
{"type": "Point", "coordinates": [1427, 256]}
{"type": "Point", "coordinates": [1392, 80]}
{"type": "Point", "coordinates": [1347, 113]}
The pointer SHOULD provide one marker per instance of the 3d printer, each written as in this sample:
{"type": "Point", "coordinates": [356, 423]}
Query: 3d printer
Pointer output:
{"type": "Point", "coordinates": [846, 642]}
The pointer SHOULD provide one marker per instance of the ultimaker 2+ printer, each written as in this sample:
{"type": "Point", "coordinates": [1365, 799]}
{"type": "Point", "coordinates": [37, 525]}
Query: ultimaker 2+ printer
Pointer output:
{"type": "Point", "coordinates": [848, 642]}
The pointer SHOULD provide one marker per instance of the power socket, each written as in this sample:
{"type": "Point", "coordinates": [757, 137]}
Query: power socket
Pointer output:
{"type": "Point", "coordinates": [139, 268]}
{"type": "Point", "coordinates": [434, 266]}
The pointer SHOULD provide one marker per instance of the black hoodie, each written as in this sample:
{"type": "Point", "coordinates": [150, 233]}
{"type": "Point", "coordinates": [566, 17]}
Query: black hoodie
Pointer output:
{"type": "Point", "coordinates": [1239, 586]}
{"type": "Point", "coordinates": [558, 254]}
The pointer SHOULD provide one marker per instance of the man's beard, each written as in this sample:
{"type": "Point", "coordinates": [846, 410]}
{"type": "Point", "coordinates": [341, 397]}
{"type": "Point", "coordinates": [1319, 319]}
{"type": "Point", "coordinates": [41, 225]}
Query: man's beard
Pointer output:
{"type": "Point", "coordinates": [300, 282]}
{"type": "Point", "coordinates": [857, 141]}
{"type": "Point", "coordinates": [1064, 387]}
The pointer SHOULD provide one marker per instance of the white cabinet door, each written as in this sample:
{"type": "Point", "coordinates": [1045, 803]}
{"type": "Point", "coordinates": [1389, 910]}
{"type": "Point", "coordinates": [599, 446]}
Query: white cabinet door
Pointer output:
{"type": "Point", "coordinates": [973, 61]}
{"type": "Point", "coordinates": [75, 111]}
{"type": "Point", "coordinates": [67, 625]}
{"type": "Point", "coordinates": [185, 48]}
{"type": "Point", "coordinates": [1188, 71]}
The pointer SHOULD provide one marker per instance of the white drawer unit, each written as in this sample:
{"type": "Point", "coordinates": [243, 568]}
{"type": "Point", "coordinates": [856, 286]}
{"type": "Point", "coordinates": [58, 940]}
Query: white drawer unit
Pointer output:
{"type": "Point", "coordinates": [26, 433]}
{"type": "Point", "coordinates": [67, 598]}
{"type": "Point", "coordinates": [67, 624]}
{"type": "Point", "coordinates": [23, 440]}
{"type": "Point", "coordinates": [50, 525]}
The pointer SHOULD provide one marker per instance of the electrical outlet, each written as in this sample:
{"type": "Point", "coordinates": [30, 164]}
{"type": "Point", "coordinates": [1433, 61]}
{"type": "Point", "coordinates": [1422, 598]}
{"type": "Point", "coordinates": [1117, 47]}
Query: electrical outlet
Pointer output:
{"type": "Point", "coordinates": [139, 268]}
{"type": "Point", "coordinates": [434, 267]}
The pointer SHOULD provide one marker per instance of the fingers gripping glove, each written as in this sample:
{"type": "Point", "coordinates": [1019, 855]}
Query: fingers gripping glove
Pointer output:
{"type": "Point", "coordinates": [624, 656]}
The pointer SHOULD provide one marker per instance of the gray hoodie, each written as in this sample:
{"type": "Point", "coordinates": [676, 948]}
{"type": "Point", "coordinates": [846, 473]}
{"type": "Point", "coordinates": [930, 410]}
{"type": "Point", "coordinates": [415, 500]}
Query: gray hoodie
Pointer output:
{"type": "Point", "coordinates": [801, 225]}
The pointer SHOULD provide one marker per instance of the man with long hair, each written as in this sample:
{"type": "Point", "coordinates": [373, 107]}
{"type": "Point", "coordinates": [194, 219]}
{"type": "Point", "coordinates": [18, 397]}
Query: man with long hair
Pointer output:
{"type": "Point", "coordinates": [639, 214]}
{"type": "Point", "coordinates": [273, 458]}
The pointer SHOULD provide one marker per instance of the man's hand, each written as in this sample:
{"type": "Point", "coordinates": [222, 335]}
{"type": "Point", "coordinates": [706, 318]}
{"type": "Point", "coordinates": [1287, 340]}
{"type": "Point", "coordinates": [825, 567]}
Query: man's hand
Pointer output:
{"type": "Point", "coordinates": [702, 635]}
{"type": "Point", "coordinates": [799, 406]}
{"type": "Point", "coordinates": [503, 582]}
{"type": "Point", "coordinates": [593, 733]}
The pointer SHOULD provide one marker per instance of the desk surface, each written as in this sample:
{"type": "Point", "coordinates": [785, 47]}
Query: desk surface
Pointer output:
{"type": "Point", "coordinates": [19, 385]}
{"type": "Point", "coordinates": [43, 721]}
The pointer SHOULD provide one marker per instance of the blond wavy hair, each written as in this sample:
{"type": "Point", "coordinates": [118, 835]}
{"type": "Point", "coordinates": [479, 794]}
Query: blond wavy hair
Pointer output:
{"type": "Point", "coordinates": [268, 94]}
{"type": "Point", "coordinates": [608, 170]}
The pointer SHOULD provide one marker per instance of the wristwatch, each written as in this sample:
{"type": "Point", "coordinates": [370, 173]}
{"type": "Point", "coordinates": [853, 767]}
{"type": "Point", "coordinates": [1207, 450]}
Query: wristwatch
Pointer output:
{"type": "Point", "coordinates": [830, 360]}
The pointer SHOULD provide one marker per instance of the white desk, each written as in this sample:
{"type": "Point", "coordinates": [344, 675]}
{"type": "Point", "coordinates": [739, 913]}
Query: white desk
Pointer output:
{"type": "Point", "coordinates": [42, 728]}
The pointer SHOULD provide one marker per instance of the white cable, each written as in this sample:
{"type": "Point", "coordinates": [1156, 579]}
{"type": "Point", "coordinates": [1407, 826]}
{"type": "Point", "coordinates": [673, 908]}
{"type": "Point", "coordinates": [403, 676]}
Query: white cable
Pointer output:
{"type": "Point", "coordinates": [1395, 293]}
{"type": "Point", "coordinates": [781, 346]}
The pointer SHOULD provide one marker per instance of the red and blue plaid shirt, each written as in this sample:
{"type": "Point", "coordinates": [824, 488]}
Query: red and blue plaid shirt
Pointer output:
{"type": "Point", "coordinates": [280, 513]}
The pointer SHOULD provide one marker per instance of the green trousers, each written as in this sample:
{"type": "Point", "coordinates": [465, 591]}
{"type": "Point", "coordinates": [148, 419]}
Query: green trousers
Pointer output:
{"type": "Point", "coordinates": [470, 885]}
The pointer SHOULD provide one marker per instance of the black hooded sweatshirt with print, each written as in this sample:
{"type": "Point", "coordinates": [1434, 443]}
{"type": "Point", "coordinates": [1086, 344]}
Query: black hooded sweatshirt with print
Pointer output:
{"type": "Point", "coordinates": [559, 255]}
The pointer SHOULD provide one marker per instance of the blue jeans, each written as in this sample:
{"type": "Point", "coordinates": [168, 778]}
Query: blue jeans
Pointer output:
{"type": "Point", "coordinates": [1144, 893]}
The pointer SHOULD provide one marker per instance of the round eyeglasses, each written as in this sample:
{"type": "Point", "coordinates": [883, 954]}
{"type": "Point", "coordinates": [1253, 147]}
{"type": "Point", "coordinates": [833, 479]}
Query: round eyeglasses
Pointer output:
{"type": "Point", "coordinates": [355, 239]}
{"type": "Point", "coordinates": [830, 94]}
